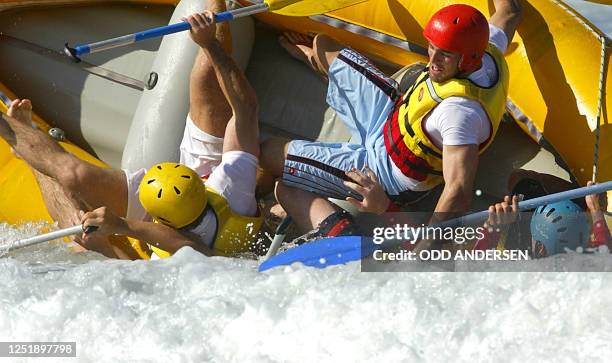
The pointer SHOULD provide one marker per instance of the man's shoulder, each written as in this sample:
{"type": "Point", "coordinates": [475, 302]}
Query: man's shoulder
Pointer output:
{"type": "Point", "coordinates": [461, 113]}
{"type": "Point", "coordinates": [459, 105]}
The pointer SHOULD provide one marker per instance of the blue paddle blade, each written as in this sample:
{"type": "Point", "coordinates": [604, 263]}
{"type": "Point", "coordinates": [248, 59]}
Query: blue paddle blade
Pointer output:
{"type": "Point", "coordinates": [323, 253]}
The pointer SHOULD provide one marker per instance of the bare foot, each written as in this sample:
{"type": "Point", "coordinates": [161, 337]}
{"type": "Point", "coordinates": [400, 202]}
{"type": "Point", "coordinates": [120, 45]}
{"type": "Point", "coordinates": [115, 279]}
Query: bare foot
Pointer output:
{"type": "Point", "coordinates": [21, 110]}
{"type": "Point", "coordinates": [298, 45]}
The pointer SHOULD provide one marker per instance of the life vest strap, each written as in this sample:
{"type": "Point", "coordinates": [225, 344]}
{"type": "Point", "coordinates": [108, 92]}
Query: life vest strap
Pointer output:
{"type": "Point", "coordinates": [426, 149]}
{"type": "Point", "coordinates": [411, 165]}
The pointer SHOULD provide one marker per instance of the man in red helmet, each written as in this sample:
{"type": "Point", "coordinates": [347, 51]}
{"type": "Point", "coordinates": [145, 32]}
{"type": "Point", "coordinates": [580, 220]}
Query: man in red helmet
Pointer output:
{"type": "Point", "coordinates": [404, 144]}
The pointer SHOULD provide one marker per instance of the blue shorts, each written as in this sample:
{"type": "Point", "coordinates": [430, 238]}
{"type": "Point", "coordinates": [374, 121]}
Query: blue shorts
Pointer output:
{"type": "Point", "coordinates": [363, 97]}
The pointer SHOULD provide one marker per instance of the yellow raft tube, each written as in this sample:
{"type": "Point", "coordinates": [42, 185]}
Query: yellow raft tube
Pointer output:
{"type": "Point", "coordinates": [17, 207]}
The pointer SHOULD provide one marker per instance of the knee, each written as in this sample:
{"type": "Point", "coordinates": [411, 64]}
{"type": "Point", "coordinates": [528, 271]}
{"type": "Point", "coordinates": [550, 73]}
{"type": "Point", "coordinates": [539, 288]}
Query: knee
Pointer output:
{"type": "Point", "coordinates": [325, 50]}
{"type": "Point", "coordinates": [322, 41]}
{"type": "Point", "coordinates": [273, 155]}
{"type": "Point", "coordinates": [282, 193]}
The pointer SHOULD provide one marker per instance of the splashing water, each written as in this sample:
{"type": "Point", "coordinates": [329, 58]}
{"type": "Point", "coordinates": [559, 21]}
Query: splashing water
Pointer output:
{"type": "Point", "coordinates": [194, 308]}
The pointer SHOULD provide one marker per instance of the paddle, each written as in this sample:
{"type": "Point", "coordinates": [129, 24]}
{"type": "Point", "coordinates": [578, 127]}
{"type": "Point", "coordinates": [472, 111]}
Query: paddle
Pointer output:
{"type": "Point", "coordinates": [321, 253]}
{"type": "Point", "coordinates": [5, 100]}
{"type": "Point", "coordinates": [341, 250]}
{"type": "Point", "coordinates": [46, 237]}
{"type": "Point", "coordinates": [283, 7]}
{"type": "Point", "coordinates": [279, 237]}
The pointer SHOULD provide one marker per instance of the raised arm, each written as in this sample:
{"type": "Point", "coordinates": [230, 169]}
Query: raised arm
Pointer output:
{"type": "Point", "coordinates": [242, 131]}
{"type": "Point", "coordinates": [508, 14]}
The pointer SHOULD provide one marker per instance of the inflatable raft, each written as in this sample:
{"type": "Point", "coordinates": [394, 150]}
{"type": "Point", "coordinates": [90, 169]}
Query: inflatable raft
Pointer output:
{"type": "Point", "coordinates": [127, 107]}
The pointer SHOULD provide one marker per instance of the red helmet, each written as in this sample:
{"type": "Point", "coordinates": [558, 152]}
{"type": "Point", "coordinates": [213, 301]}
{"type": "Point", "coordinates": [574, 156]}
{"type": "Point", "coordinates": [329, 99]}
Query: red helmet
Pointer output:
{"type": "Point", "coordinates": [461, 29]}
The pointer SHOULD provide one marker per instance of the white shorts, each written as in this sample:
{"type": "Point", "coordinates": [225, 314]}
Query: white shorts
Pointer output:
{"type": "Point", "coordinates": [231, 174]}
{"type": "Point", "coordinates": [199, 150]}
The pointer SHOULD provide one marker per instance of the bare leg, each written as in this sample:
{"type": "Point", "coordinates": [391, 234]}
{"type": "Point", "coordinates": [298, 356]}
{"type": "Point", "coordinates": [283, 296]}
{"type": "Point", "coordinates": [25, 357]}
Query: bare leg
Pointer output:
{"type": "Point", "coordinates": [299, 46]}
{"type": "Point", "coordinates": [64, 209]}
{"type": "Point", "coordinates": [208, 108]}
{"type": "Point", "coordinates": [318, 52]}
{"type": "Point", "coordinates": [94, 185]}
{"type": "Point", "coordinates": [273, 154]}
{"type": "Point", "coordinates": [242, 132]}
{"type": "Point", "coordinates": [62, 206]}
{"type": "Point", "coordinates": [307, 209]}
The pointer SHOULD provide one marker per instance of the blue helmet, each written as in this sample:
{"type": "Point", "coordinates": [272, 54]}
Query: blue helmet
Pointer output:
{"type": "Point", "coordinates": [558, 226]}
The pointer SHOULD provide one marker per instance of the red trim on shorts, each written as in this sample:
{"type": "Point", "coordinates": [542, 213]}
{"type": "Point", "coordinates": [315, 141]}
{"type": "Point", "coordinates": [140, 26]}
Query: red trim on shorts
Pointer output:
{"type": "Point", "coordinates": [338, 228]}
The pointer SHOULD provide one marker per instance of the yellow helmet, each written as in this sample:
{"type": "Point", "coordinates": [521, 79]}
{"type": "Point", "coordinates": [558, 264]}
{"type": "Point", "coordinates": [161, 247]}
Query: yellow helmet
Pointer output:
{"type": "Point", "coordinates": [173, 194]}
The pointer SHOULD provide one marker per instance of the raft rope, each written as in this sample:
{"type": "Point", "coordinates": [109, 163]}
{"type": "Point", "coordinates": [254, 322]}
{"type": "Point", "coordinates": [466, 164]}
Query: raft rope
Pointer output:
{"type": "Point", "coordinates": [370, 33]}
{"type": "Point", "coordinates": [87, 67]}
{"type": "Point", "coordinates": [604, 47]}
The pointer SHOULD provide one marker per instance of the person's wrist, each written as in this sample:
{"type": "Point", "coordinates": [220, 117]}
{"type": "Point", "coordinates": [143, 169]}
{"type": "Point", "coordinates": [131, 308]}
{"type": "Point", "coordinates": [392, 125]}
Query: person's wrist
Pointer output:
{"type": "Point", "coordinates": [595, 209]}
{"type": "Point", "coordinates": [391, 207]}
{"type": "Point", "coordinates": [381, 207]}
{"type": "Point", "coordinates": [597, 215]}
{"type": "Point", "coordinates": [122, 227]}
{"type": "Point", "coordinates": [203, 44]}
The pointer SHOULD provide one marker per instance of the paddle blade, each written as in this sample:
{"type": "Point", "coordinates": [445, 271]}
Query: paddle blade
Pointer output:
{"type": "Point", "coordinates": [308, 7]}
{"type": "Point", "coordinates": [323, 253]}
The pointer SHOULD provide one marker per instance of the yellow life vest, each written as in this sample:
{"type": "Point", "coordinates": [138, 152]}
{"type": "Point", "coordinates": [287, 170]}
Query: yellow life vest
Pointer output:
{"type": "Point", "coordinates": [407, 143]}
{"type": "Point", "coordinates": [234, 232]}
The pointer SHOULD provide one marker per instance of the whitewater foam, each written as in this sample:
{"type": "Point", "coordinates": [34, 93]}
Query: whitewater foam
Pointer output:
{"type": "Point", "coordinates": [194, 308]}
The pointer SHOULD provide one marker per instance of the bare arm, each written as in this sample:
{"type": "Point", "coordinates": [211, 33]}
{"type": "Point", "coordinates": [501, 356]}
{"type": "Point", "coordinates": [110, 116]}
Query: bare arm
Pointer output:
{"type": "Point", "coordinates": [164, 237]}
{"type": "Point", "coordinates": [508, 14]}
{"type": "Point", "coordinates": [237, 90]}
{"type": "Point", "coordinates": [459, 165]}
{"type": "Point", "coordinates": [242, 131]}
{"type": "Point", "coordinates": [159, 235]}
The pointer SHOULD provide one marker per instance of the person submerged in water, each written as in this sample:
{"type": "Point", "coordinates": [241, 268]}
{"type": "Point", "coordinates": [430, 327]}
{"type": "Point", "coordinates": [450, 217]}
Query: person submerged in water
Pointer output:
{"type": "Point", "coordinates": [220, 143]}
{"type": "Point", "coordinates": [549, 229]}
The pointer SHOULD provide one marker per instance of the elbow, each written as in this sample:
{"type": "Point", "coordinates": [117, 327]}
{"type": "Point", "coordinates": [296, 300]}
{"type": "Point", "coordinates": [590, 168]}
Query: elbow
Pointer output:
{"type": "Point", "coordinates": [514, 9]}
{"type": "Point", "coordinates": [250, 100]}
{"type": "Point", "coordinates": [518, 8]}
{"type": "Point", "coordinates": [248, 106]}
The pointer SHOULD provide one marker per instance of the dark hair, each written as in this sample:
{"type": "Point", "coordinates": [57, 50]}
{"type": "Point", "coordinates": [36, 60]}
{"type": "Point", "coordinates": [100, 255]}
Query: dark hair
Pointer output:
{"type": "Point", "coordinates": [532, 188]}
{"type": "Point", "coordinates": [529, 188]}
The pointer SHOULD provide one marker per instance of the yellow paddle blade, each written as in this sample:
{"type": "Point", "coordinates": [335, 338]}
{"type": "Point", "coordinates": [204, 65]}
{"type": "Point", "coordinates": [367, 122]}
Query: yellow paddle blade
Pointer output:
{"type": "Point", "coordinates": [308, 7]}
